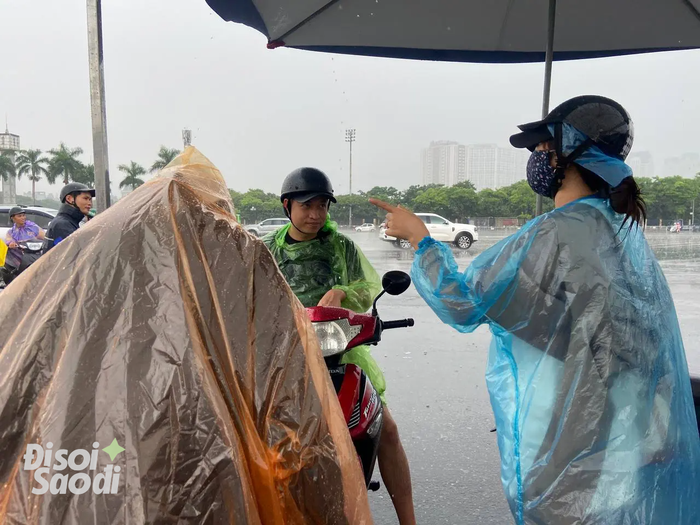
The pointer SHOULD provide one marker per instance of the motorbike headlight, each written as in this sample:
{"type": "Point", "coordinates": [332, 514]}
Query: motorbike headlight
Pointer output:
{"type": "Point", "coordinates": [34, 246]}
{"type": "Point", "coordinates": [335, 336]}
{"type": "Point", "coordinates": [376, 425]}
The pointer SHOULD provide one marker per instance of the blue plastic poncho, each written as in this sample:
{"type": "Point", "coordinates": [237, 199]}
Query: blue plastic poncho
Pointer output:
{"type": "Point", "coordinates": [587, 374]}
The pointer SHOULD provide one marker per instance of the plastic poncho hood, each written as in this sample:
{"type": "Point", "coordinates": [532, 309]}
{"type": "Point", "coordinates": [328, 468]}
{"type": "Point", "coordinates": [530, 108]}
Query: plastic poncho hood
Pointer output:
{"type": "Point", "coordinates": [586, 373]}
{"type": "Point", "coordinates": [161, 340]}
{"type": "Point", "coordinates": [610, 169]}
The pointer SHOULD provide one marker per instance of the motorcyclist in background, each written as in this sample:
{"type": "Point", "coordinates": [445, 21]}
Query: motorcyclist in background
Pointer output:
{"type": "Point", "coordinates": [76, 199]}
{"type": "Point", "coordinates": [22, 230]}
{"type": "Point", "coordinates": [325, 268]}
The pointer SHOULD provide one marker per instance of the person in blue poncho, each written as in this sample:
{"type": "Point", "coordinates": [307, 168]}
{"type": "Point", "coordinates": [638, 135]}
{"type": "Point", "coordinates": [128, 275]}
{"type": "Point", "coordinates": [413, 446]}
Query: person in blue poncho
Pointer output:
{"type": "Point", "coordinates": [587, 373]}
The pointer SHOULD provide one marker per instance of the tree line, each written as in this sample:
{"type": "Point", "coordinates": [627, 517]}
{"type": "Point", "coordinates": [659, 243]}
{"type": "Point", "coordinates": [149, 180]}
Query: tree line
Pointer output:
{"type": "Point", "coordinates": [668, 199]}
{"type": "Point", "coordinates": [63, 163]}
{"type": "Point", "coordinates": [457, 203]}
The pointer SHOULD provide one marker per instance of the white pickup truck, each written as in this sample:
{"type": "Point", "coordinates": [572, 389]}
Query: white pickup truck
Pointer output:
{"type": "Point", "coordinates": [461, 235]}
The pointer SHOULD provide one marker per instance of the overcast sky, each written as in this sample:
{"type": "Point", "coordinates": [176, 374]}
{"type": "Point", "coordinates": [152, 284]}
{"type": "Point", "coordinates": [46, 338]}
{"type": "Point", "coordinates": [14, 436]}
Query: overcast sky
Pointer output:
{"type": "Point", "coordinates": [258, 114]}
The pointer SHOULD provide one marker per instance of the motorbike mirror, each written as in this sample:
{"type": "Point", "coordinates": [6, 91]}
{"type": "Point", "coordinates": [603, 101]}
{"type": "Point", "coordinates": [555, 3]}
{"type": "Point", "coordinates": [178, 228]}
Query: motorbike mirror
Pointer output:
{"type": "Point", "coordinates": [396, 282]}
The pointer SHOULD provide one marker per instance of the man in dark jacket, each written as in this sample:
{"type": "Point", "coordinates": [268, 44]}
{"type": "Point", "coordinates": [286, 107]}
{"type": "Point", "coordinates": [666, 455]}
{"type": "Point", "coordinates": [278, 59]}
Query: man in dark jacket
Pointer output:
{"type": "Point", "coordinates": [76, 199]}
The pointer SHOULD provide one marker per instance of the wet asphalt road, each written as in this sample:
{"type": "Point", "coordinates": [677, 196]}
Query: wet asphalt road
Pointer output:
{"type": "Point", "coordinates": [437, 393]}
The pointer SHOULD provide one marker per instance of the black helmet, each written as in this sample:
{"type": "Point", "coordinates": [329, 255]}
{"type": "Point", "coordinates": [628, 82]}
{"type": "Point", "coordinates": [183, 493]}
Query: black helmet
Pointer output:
{"type": "Point", "coordinates": [304, 184]}
{"type": "Point", "coordinates": [75, 187]}
{"type": "Point", "coordinates": [17, 211]}
{"type": "Point", "coordinates": [605, 122]}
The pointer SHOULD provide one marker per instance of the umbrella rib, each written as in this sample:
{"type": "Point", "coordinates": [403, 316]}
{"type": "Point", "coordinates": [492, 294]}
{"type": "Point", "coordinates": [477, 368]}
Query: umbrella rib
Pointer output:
{"type": "Point", "coordinates": [306, 20]}
{"type": "Point", "coordinates": [506, 16]}
{"type": "Point", "coordinates": [692, 7]}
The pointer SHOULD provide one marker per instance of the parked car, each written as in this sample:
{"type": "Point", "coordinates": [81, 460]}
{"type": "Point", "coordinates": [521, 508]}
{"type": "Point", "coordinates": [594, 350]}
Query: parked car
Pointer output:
{"type": "Point", "coordinates": [461, 235]}
{"type": "Point", "coordinates": [267, 226]}
{"type": "Point", "coordinates": [366, 227]}
{"type": "Point", "coordinates": [37, 214]}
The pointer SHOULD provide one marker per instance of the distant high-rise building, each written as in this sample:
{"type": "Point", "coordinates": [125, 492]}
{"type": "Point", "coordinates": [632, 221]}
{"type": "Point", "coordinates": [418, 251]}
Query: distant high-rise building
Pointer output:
{"type": "Point", "coordinates": [9, 145]}
{"type": "Point", "coordinates": [444, 162]}
{"type": "Point", "coordinates": [484, 165]}
{"type": "Point", "coordinates": [687, 165]}
{"type": "Point", "coordinates": [642, 164]}
{"type": "Point", "coordinates": [490, 166]}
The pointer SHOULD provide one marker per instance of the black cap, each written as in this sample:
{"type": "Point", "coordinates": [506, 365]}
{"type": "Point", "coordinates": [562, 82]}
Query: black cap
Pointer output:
{"type": "Point", "coordinates": [17, 211]}
{"type": "Point", "coordinates": [601, 119]}
{"type": "Point", "coordinates": [304, 184]}
{"type": "Point", "coordinates": [75, 187]}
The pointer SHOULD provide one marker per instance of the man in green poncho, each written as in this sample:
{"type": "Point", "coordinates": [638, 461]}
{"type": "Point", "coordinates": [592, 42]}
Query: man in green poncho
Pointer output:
{"type": "Point", "coordinates": [325, 268]}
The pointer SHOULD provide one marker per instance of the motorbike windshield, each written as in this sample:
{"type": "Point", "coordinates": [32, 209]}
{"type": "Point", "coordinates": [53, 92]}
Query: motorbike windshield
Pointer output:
{"type": "Point", "coordinates": [587, 372]}
{"type": "Point", "coordinates": [156, 368]}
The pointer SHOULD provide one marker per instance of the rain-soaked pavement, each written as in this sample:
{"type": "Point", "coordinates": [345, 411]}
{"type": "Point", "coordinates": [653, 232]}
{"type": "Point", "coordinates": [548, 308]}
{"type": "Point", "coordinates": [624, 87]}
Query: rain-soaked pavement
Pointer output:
{"type": "Point", "coordinates": [437, 392]}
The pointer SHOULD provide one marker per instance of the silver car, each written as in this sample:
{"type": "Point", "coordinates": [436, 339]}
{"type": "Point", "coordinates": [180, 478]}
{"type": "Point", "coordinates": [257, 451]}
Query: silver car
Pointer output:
{"type": "Point", "coordinates": [267, 226]}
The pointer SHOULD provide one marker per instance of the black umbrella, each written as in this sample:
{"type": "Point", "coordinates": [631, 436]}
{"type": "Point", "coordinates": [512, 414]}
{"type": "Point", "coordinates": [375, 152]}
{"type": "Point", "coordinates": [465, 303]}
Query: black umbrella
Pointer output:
{"type": "Point", "coordinates": [493, 31]}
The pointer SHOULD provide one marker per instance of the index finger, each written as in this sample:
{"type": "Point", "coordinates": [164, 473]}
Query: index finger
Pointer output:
{"type": "Point", "coordinates": [383, 205]}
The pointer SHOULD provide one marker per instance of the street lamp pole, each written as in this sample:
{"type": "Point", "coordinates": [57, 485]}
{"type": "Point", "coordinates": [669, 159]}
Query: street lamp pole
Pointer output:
{"type": "Point", "coordinates": [97, 103]}
{"type": "Point", "coordinates": [350, 138]}
{"type": "Point", "coordinates": [549, 58]}
{"type": "Point", "coordinates": [692, 215]}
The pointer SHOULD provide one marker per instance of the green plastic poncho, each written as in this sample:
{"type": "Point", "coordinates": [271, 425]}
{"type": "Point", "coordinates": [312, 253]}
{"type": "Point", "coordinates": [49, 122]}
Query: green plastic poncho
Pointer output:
{"type": "Point", "coordinates": [587, 373]}
{"type": "Point", "coordinates": [331, 261]}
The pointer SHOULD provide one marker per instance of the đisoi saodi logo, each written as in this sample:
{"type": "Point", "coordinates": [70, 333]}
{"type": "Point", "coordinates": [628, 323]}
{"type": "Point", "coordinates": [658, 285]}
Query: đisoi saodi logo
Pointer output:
{"type": "Point", "coordinates": [49, 466]}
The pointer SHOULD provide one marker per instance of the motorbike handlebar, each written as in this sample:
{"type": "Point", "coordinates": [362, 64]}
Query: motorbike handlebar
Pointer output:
{"type": "Point", "coordinates": [405, 323]}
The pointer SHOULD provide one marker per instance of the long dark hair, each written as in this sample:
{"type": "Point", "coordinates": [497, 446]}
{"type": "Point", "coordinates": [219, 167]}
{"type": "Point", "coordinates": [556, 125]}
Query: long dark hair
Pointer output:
{"type": "Point", "coordinates": [626, 199]}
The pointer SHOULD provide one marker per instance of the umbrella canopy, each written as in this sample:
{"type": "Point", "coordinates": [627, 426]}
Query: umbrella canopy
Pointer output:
{"type": "Point", "coordinates": [471, 30]}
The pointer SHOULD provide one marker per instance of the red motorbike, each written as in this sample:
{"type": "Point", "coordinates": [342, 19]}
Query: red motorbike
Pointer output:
{"type": "Point", "coordinates": [339, 330]}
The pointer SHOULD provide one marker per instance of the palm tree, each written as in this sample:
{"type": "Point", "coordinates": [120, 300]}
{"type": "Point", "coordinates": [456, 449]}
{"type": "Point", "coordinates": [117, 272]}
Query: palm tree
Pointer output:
{"type": "Point", "coordinates": [165, 157]}
{"type": "Point", "coordinates": [133, 173]}
{"type": "Point", "coordinates": [86, 175]}
{"type": "Point", "coordinates": [64, 161]}
{"type": "Point", "coordinates": [31, 163]}
{"type": "Point", "coordinates": [7, 167]}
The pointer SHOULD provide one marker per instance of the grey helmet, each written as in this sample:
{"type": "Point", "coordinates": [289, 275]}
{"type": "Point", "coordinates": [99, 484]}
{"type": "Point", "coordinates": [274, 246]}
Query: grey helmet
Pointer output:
{"type": "Point", "coordinates": [16, 210]}
{"type": "Point", "coordinates": [605, 122]}
{"type": "Point", "coordinates": [75, 188]}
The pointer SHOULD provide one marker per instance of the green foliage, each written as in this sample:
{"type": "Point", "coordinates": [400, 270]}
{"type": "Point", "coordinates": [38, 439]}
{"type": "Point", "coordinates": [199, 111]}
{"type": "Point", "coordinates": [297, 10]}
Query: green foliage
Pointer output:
{"type": "Point", "coordinates": [458, 203]}
{"type": "Point", "coordinates": [670, 198]}
{"type": "Point", "coordinates": [7, 167]}
{"type": "Point", "coordinates": [33, 165]}
{"type": "Point", "coordinates": [133, 172]}
{"type": "Point", "coordinates": [64, 163]}
{"type": "Point", "coordinates": [165, 156]}
{"type": "Point", "coordinates": [86, 175]}
{"type": "Point", "coordinates": [256, 205]}
{"type": "Point", "coordinates": [667, 198]}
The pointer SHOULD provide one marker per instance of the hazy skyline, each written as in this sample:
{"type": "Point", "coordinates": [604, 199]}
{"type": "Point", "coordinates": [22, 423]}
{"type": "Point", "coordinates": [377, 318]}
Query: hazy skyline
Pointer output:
{"type": "Point", "coordinates": [258, 114]}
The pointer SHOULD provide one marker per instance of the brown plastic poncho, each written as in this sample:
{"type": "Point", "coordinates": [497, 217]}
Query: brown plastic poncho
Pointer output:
{"type": "Point", "coordinates": [163, 328]}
